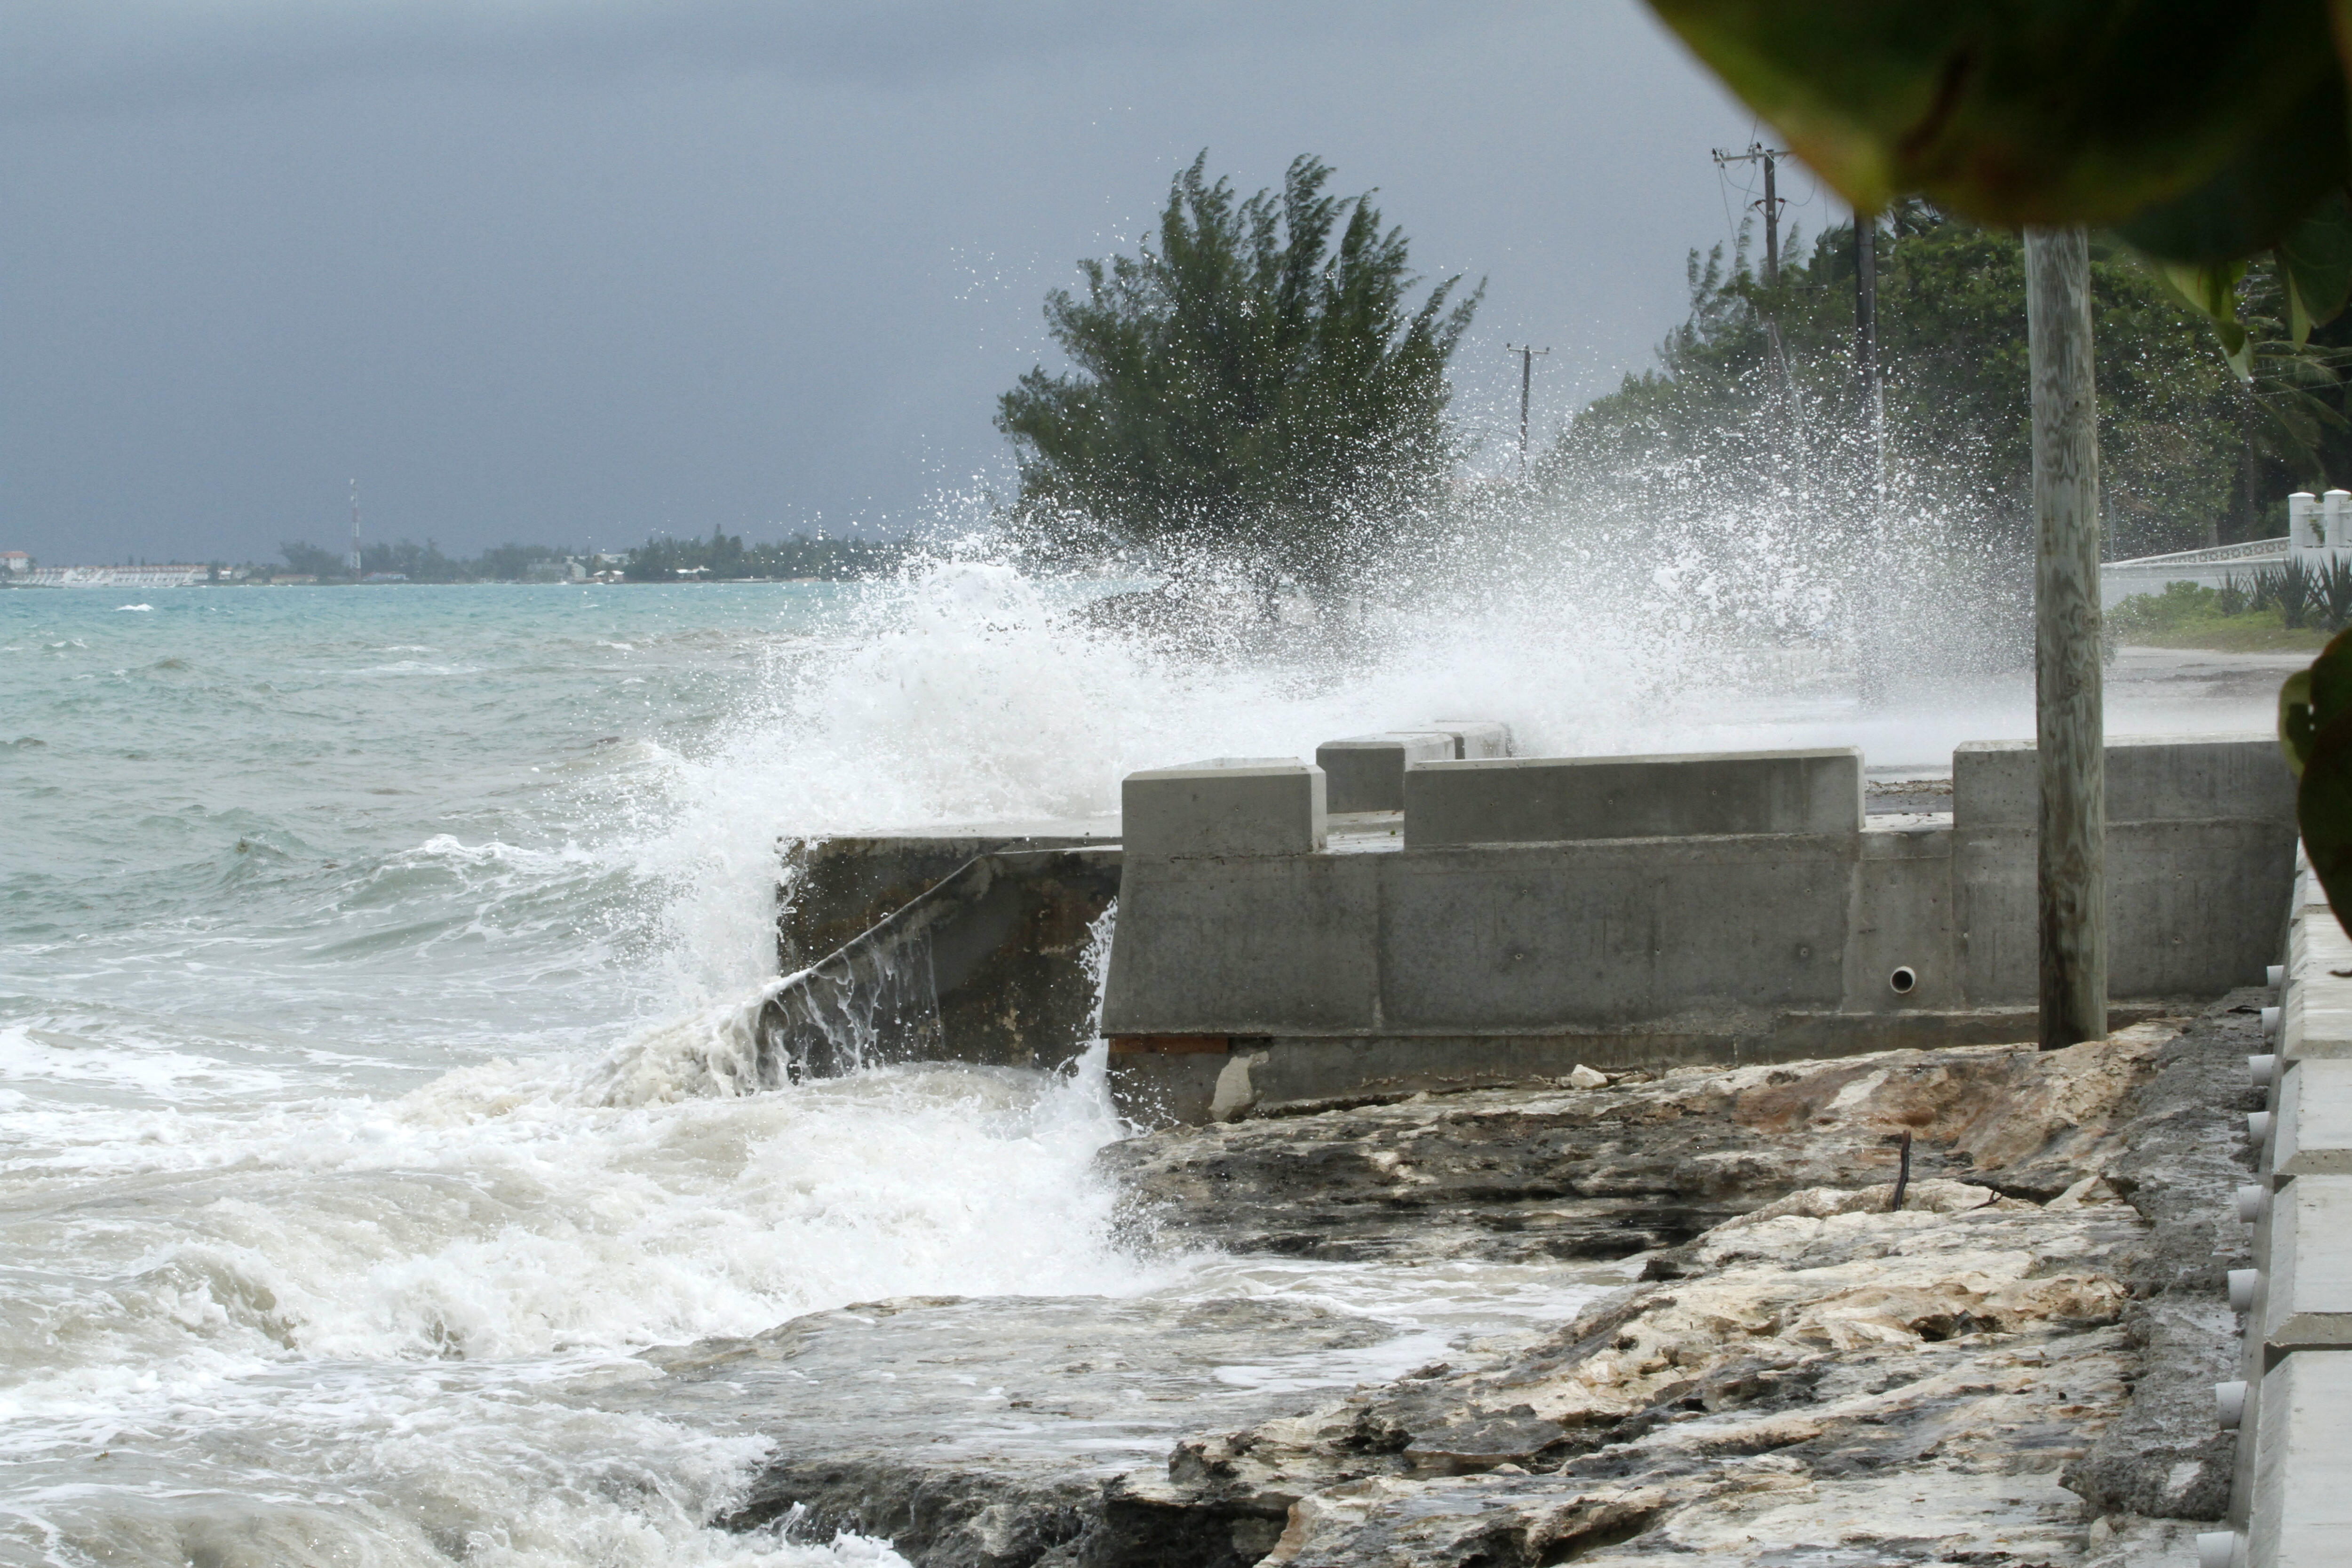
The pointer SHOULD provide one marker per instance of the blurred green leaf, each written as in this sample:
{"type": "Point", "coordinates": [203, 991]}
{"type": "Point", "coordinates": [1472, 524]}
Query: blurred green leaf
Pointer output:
{"type": "Point", "coordinates": [2296, 731]}
{"type": "Point", "coordinates": [2213, 292]}
{"type": "Point", "coordinates": [2331, 682]}
{"type": "Point", "coordinates": [2262, 193]}
{"type": "Point", "coordinates": [2315, 733]}
{"type": "Point", "coordinates": [2048, 111]}
{"type": "Point", "coordinates": [2315, 259]}
{"type": "Point", "coordinates": [2324, 810]}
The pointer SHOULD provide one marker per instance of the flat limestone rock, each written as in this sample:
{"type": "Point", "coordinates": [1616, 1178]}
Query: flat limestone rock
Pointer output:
{"type": "Point", "coordinates": [1641, 1164]}
{"type": "Point", "coordinates": [1778, 1400]}
{"type": "Point", "coordinates": [1977, 1378]}
{"type": "Point", "coordinates": [983, 1430]}
{"type": "Point", "coordinates": [2011, 1369]}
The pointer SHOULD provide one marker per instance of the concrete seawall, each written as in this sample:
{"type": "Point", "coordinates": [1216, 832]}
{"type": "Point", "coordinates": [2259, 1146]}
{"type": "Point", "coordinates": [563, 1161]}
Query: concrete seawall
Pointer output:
{"type": "Point", "coordinates": [1523, 917]}
{"type": "Point", "coordinates": [1518, 918]}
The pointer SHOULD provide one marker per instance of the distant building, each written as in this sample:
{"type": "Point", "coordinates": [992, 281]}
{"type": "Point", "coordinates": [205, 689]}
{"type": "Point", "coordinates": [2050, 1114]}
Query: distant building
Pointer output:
{"type": "Point", "coordinates": [385, 577]}
{"type": "Point", "coordinates": [14, 563]}
{"type": "Point", "coordinates": [172, 576]}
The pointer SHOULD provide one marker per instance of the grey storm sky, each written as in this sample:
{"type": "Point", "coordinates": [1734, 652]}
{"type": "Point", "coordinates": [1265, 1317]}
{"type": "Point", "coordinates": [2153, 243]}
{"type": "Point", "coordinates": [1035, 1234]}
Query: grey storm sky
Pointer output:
{"type": "Point", "coordinates": [577, 271]}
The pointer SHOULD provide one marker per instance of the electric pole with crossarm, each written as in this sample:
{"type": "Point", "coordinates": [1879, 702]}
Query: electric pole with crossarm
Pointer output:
{"type": "Point", "coordinates": [1770, 207]}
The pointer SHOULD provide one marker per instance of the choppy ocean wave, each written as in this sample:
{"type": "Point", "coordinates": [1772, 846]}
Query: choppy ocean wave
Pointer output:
{"type": "Point", "coordinates": [376, 978]}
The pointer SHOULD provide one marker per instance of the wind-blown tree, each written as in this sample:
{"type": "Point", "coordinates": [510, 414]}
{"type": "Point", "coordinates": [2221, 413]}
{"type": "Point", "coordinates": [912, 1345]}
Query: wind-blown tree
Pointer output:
{"type": "Point", "coordinates": [2177, 427]}
{"type": "Point", "coordinates": [1256, 387]}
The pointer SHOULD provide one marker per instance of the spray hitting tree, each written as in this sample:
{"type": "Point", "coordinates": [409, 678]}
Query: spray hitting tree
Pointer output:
{"type": "Point", "coordinates": [1254, 388]}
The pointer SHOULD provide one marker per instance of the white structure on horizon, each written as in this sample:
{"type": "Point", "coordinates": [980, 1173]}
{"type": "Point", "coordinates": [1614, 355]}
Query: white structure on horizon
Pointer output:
{"type": "Point", "coordinates": [176, 577]}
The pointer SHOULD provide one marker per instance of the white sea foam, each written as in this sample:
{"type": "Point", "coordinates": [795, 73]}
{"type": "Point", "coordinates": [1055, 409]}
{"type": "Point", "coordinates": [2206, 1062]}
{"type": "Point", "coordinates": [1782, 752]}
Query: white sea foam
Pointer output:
{"type": "Point", "coordinates": [375, 1062]}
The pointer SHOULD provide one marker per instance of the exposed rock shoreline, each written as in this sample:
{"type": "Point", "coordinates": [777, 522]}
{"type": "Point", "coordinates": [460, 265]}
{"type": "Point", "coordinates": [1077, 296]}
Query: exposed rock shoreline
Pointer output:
{"type": "Point", "coordinates": [2013, 1369]}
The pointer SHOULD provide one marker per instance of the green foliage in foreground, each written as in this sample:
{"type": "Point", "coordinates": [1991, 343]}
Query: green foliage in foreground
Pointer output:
{"type": "Point", "coordinates": [1254, 385]}
{"type": "Point", "coordinates": [2186, 615]}
{"type": "Point", "coordinates": [2315, 733]}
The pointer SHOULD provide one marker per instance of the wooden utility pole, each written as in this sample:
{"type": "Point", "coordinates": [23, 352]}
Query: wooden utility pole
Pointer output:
{"type": "Point", "coordinates": [2069, 726]}
{"type": "Point", "coordinates": [1527, 386]}
{"type": "Point", "coordinates": [1771, 205]}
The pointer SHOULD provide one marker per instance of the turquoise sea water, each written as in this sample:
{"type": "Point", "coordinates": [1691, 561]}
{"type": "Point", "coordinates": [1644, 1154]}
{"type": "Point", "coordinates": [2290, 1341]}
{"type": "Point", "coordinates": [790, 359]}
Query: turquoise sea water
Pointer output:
{"type": "Point", "coordinates": [393, 815]}
{"type": "Point", "coordinates": [363, 955]}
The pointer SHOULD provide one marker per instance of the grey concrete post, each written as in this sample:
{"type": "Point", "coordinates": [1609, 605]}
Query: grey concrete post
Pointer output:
{"type": "Point", "coordinates": [2069, 716]}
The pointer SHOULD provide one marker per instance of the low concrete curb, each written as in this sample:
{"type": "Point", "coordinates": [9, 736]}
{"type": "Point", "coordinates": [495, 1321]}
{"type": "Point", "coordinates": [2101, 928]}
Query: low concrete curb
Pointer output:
{"type": "Point", "coordinates": [2292, 1401]}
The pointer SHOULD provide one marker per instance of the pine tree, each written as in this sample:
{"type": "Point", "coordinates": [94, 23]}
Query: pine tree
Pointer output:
{"type": "Point", "coordinates": [1256, 387]}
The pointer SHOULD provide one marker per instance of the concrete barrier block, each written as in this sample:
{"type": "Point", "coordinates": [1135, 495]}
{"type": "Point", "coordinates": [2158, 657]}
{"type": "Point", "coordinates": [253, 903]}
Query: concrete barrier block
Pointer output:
{"type": "Point", "coordinates": [1535, 800]}
{"type": "Point", "coordinates": [2306, 1286]}
{"type": "Point", "coordinates": [1245, 946]}
{"type": "Point", "coordinates": [1227, 806]}
{"type": "Point", "coordinates": [1476, 739]}
{"type": "Point", "coordinates": [1366, 773]}
{"type": "Point", "coordinates": [1610, 933]}
{"type": "Point", "coordinates": [2192, 907]}
{"type": "Point", "coordinates": [2313, 1124]}
{"type": "Point", "coordinates": [2300, 1510]}
{"type": "Point", "coordinates": [2315, 1012]}
{"type": "Point", "coordinates": [2152, 778]}
{"type": "Point", "coordinates": [1901, 950]}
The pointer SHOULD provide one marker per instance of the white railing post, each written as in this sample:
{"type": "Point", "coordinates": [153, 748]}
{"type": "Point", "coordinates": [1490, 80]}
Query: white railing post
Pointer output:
{"type": "Point", "coordinates": [2303, 540]}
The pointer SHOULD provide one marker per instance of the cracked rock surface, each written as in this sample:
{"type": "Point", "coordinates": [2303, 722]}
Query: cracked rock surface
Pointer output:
{"type": "Point", "coordinates": [1776, 1370]}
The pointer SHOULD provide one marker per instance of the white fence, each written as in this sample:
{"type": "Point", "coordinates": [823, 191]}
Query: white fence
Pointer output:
{"type": "Point", "coordinates": [2319, 533]}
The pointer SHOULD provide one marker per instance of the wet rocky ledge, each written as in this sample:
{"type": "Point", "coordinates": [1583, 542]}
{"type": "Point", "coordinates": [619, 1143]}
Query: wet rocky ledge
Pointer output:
{"type": "Point", "coordinates": [1775, 1367]}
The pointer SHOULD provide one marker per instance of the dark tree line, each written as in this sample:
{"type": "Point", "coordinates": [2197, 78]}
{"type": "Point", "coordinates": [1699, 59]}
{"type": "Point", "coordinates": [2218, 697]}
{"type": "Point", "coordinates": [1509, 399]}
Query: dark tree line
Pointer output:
{"type": "Point", "coordinates": [725, 556]}
{"type": "Point", "coordinates": [721, 557]}
{"type": "Point", "coordinates": [2189, 453]}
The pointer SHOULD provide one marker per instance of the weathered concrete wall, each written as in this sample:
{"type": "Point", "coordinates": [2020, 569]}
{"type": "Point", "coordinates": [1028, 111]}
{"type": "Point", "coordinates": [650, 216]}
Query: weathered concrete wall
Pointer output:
{"type": "Point", "coordinates": [1534, 800]}
{"type": "Point", "coordinates": [2150, 778]}
{"type": "Point", "coordinates": [1264, 959]}
{"type": "Point", "coordinates": [1366, 773]}
{"type": "Point", "coordinates": [833, 888]}
{"type": "Point", "coordinates": [989, 965]}
{"type": "Point", "coordinates": [1324, 974]}
{"type": "Point", "coordinates": [1225, 806]}
{"type": "Point", "coordinates": [2200, 853]}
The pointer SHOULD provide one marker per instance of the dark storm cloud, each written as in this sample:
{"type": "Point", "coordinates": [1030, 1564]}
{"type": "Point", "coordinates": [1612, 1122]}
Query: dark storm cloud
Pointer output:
{"type": "Point", "coordinates": [68, 55]}
{"type": "Point", "coordinates": [578, 271]}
